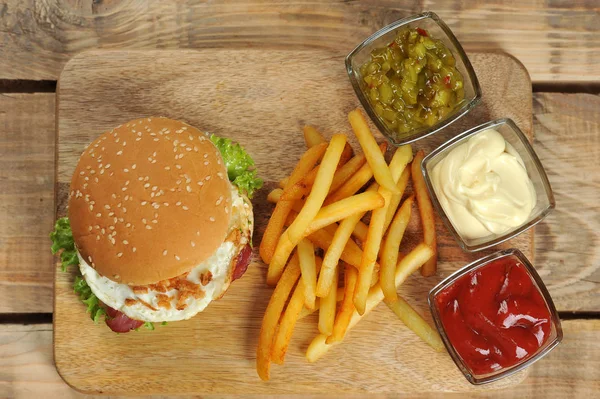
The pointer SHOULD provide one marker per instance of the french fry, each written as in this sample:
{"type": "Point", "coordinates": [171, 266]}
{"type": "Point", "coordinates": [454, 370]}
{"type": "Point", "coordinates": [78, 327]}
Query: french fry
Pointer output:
{"type": "Point", "coordinates": [283, 182]}
{"type": "Point", "coordinates": [308, 267]}
{"type": "Point", "coordinates": [290, 317]}
{"type": "Point", "coordinates": [375, 158]}
{"type": "Point", "coordinates": [416, 323]}
{"type": "Point", "coordinates": [328, 306]}
{"type": "Point", "coordinates": [295, 232]}
{"type": "Point", "coordinates": [360, 231]}
{"type": "Point", "coordinates": [355, 182]}
{"type": "Point", "coordinates": [272, 315]}
{"type": "Point", "coordinates": [417, 257]}
{"type": "Point", "coordinates": [332, 256]}
{"type": "Point", "coordinates": [426, 212]}
{"type": "Point", "coordinates": [307, 312]}
{"type": "Point", "coordinates": [375, 234]}
{"type": "Point", "coordinates": [274, 228]}
{"type": "Point", "coordinates": [347, 171]}
{"type": "Point", "coordinates": [396, 198]}
{"type": "Point", "coordinates": [391, 248]}
{"type": "Point", "coordinates": [312, 137]}
{"type": "Point", "coordinates": [342, 319]}
{"type": "Point", "coordinates": [357, 204]}
{"type": "Point", "coordinates": [275, 195]}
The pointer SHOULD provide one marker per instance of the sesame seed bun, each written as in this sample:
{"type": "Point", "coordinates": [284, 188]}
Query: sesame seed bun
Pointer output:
{"type": "Point", "coordinates": [149, 200]}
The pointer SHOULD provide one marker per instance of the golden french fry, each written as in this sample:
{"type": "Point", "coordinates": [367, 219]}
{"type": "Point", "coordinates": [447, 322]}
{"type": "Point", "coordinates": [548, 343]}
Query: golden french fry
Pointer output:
{"type": "Point", "coordinates": [375, 234]}
{"type": "Point", "coordinates": [342, 319]}
{"type": "Point", "coordinates": [290, 316]}
{"type": "Point", "coordinates": [312, 137]}
{"type": "Point", "coordinates": [283, 182]}
{"type": "Point", "coordinates": [295, 232]}
{"type": "Point", "coordinates": [360, 231]}
{"type": "Point", "coordinates": [328, 306]}
{"type": "Point", "coordinates": [417, 257]}
{"type": "Point", "coordinates": [426, 212]}
{"type": "Point", "coordinates": [347, 171]}
{"type": "Point", "coordinates": [272, 315]}
{"type": "Point", "coordinates": [307, 312]}
{"type": "Point", "coordinates": [355, 182]}
{"type": "Point", "coordinates": [275, 226]}
{"type": "Point", "coordinates": [391, 248]}
{"type": "Point", "coordinates": [359, 203]}
{"type": "Point", "coordinates": [375, 158]}
{"type": "Point", "coordinates": [275, 195]}
{"type": "Point", "coordinates": [308, 267]}
{"type": "Point", "coordinates": [416, 323]}
{"type": "Point", "coordinates": [395, 200]}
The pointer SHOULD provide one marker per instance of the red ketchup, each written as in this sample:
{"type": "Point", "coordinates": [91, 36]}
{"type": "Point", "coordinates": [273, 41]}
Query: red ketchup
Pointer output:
{"type": "Point", "coordinates": [494, 316]}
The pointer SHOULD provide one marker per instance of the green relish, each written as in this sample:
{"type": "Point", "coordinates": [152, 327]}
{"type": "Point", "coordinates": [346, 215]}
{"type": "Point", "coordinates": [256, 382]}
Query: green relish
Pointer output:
{"type": "Point", "coordinates": [412, 82]}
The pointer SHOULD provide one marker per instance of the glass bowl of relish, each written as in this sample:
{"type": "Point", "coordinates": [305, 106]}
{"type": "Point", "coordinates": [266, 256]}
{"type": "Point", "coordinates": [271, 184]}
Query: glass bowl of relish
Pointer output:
{"type": "Point", "coordinates": [413, 78]}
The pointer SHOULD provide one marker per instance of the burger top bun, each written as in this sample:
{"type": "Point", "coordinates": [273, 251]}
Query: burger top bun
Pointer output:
{"type": "Point", "coordinates": [149, 200]}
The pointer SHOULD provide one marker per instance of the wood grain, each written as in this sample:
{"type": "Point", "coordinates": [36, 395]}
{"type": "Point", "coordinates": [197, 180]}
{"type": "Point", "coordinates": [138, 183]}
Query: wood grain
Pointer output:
{"type": "Point", "coordinates": [572, 370]}
{"type": "Point", "coordinates": [26, 201]}
{"type": "Point", "coordinates": [567, 128]}
{"type": "Point", "coordinates": [263, 107]}
{"type": "Point", "coordinates": [555, 40]}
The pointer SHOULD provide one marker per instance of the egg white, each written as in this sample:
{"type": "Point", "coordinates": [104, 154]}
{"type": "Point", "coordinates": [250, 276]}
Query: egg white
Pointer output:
{"type": "Point", "coordinates": [114, 294]}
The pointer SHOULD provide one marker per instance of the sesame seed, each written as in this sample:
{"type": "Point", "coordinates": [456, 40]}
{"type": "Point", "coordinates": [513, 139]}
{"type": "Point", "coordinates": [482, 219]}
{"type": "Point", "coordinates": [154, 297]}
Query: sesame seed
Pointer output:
{"type": "Point", "coordinates": [165, 252]}
{"type": "Point", "coordinates": [167, 168]}
{"type": "Point", "coordinates": [81, 173]}
{"type": "Point", "coordinates": [103, 231]}
{"type": "Point", "coordinates": [154, 188]}
{"type": "Point", "coordinates": [128, 225]}
{"type": "Point", "coordinates": [91, 207]}
{"type": "Point", "coordinates": [98, 215]}
{"type": "Point", "coordinates": [200, 183]}
{"type": "Point", "coordinates": [148, 227]}
{"type": "Point", "coordinates": [127, 183]}
{"type": "Point", "coordinates": [144, 221]}
{"type": "Point", "coordinates": [146, 185]}
{"type": "Point", "coordinates": [124, 189]}
{"type": "Point", "coordinates": [134, 249]}
{"type": "Point", "coordinates": [133, 166]}
{"type": "Point", "coordinates": [178, 166]}
{"type": "Point", "coordinates": [206, 162]}
{"type": "Point", "coordinates": [144, 202]}
{"type": "Point", "coordinates": [154, 221]}
{"type": "Point", "coordinates": [125, 242]}
{"type": "Point", "coordinates": [126, 198]}
{"type": "Point", "coordinates": [90, 228]}
{"type": "Point", "coordinates": [198, 233]}
{"type": "Point", "coordinates": [177, 257]}
{"type": "Point", "coordinates": [111, 228]}
{"type": "Point", "coordinates": [193, 243]}
{"type": "Point", "coordinates": [107, 166]}
{"type": "Point", "coordinates": [107, 206]}
{"type": "Point", "coordinates": [154, 160]}
{"type": "Point", "coordinates": [119, 254]}
{"type": "Point", "coordinates": [165, 203]}
{"type": "Point", "coordinates": [207, 178]}
{"type": "Point", "coordinates": [212, 219]}
{"type": "Point", "coordinates": [114, 196]}
{"type": "Point", "coordinates": [97, 238]}
{"type": "Point", "coordinates": [126, 170]}
{"type": "Point", "coordinates": [111, 214]}
{"type": "Point", "coordinates": [101, 171]}
{"type": "Point", "coordinates": [138, 139]}
{"type": "Point", "coordinates": [178, 203]}
{"type": "Point", "coordinates": [188, 188]}
{"type": "Point", "coordinates": [185, 208]}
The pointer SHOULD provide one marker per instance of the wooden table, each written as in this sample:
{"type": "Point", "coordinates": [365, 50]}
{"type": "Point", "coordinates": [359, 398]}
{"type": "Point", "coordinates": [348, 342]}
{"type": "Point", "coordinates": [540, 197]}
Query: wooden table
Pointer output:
{"type": "Point", "coordinates": [558, 42]}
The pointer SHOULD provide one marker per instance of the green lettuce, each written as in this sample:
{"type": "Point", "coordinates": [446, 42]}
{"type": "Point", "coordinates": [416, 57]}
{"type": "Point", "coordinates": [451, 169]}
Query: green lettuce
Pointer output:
{"type": "Point", "coordinates": [62, 241]}
{"type": "Point", "coordinates": [240, 165]}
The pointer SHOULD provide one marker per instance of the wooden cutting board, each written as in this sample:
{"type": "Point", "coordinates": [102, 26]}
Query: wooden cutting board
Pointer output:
{"type": "Point", "coordinates": [261, 99]}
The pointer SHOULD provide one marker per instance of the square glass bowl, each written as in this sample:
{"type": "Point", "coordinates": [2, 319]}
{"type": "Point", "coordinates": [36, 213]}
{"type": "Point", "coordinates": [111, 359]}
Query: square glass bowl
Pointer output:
{"type": "Point", "coordinates": [515, 137]}
{"type": "Point", "coordinates": [554, 337]}
{"type": "Point", "coordinates": [438, 30]}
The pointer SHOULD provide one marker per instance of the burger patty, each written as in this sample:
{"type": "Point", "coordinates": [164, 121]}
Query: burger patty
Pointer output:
{"type": "Point", "coordinates": [183, 296]}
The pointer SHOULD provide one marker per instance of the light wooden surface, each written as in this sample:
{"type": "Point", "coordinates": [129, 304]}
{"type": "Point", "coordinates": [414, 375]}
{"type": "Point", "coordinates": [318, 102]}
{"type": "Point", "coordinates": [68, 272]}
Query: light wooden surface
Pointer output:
{"type": "Point", "coordinates": [555, 40]}
{"type": "Point", "coordinates": [264, 110]}
{"type": "Point", "coordinates": [571, 370]}
{"type": "Point", "coordinates": [26, 201]}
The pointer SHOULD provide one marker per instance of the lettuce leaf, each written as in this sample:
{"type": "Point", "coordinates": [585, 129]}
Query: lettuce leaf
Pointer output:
{"type": "Point", "coordinates": [62, 240]}
{"type": "Point", "coordinates": [240, 165]}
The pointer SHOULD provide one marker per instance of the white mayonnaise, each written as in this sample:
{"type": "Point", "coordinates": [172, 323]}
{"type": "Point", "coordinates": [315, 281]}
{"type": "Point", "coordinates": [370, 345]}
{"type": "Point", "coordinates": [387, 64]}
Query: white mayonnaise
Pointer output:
{"type": "Point", "coordinates": [483, 186]}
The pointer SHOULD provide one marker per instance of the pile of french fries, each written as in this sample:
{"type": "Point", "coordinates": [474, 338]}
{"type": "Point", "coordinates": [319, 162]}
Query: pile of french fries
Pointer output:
{"type": "Point", "coordinates": [320, 208]}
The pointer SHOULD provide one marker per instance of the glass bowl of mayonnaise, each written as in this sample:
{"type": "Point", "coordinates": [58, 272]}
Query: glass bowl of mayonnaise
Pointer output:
{"type": "Point", "coordinates": [488, 185]}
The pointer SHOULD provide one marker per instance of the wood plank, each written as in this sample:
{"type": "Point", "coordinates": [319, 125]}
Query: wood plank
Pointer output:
{"type": "Point", "coordinates": [266, 117]}
{"type": "Point", "coordinates": [567, 140]}
{"type": "Point", "coordinates": [557, 41]}
{"type": "Point", "coordinates": [571, 370]}
{"type": "Point", "coordinates": [26, 201]}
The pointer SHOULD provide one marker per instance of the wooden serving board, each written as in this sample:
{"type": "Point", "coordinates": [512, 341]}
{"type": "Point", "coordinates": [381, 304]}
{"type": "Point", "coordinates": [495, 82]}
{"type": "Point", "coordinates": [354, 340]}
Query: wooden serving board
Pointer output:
{"type": "Point", "coordinates": [261, 99]}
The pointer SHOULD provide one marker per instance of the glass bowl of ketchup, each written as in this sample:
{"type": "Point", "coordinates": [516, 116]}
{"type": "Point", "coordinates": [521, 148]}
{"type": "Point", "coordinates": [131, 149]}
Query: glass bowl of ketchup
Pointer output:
{"type": "Point", "coordinates": [495, 316]}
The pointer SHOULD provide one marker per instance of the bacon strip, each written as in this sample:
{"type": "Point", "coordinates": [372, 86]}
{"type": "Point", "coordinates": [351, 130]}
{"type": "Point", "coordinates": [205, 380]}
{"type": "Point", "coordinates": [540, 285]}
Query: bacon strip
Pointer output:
{"type": "Point", "coordinates": [119, 322]}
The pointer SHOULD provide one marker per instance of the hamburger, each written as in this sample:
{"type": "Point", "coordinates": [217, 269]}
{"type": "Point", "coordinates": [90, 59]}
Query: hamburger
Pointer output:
{"type": "Point", "coordinates": [159, 222]}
